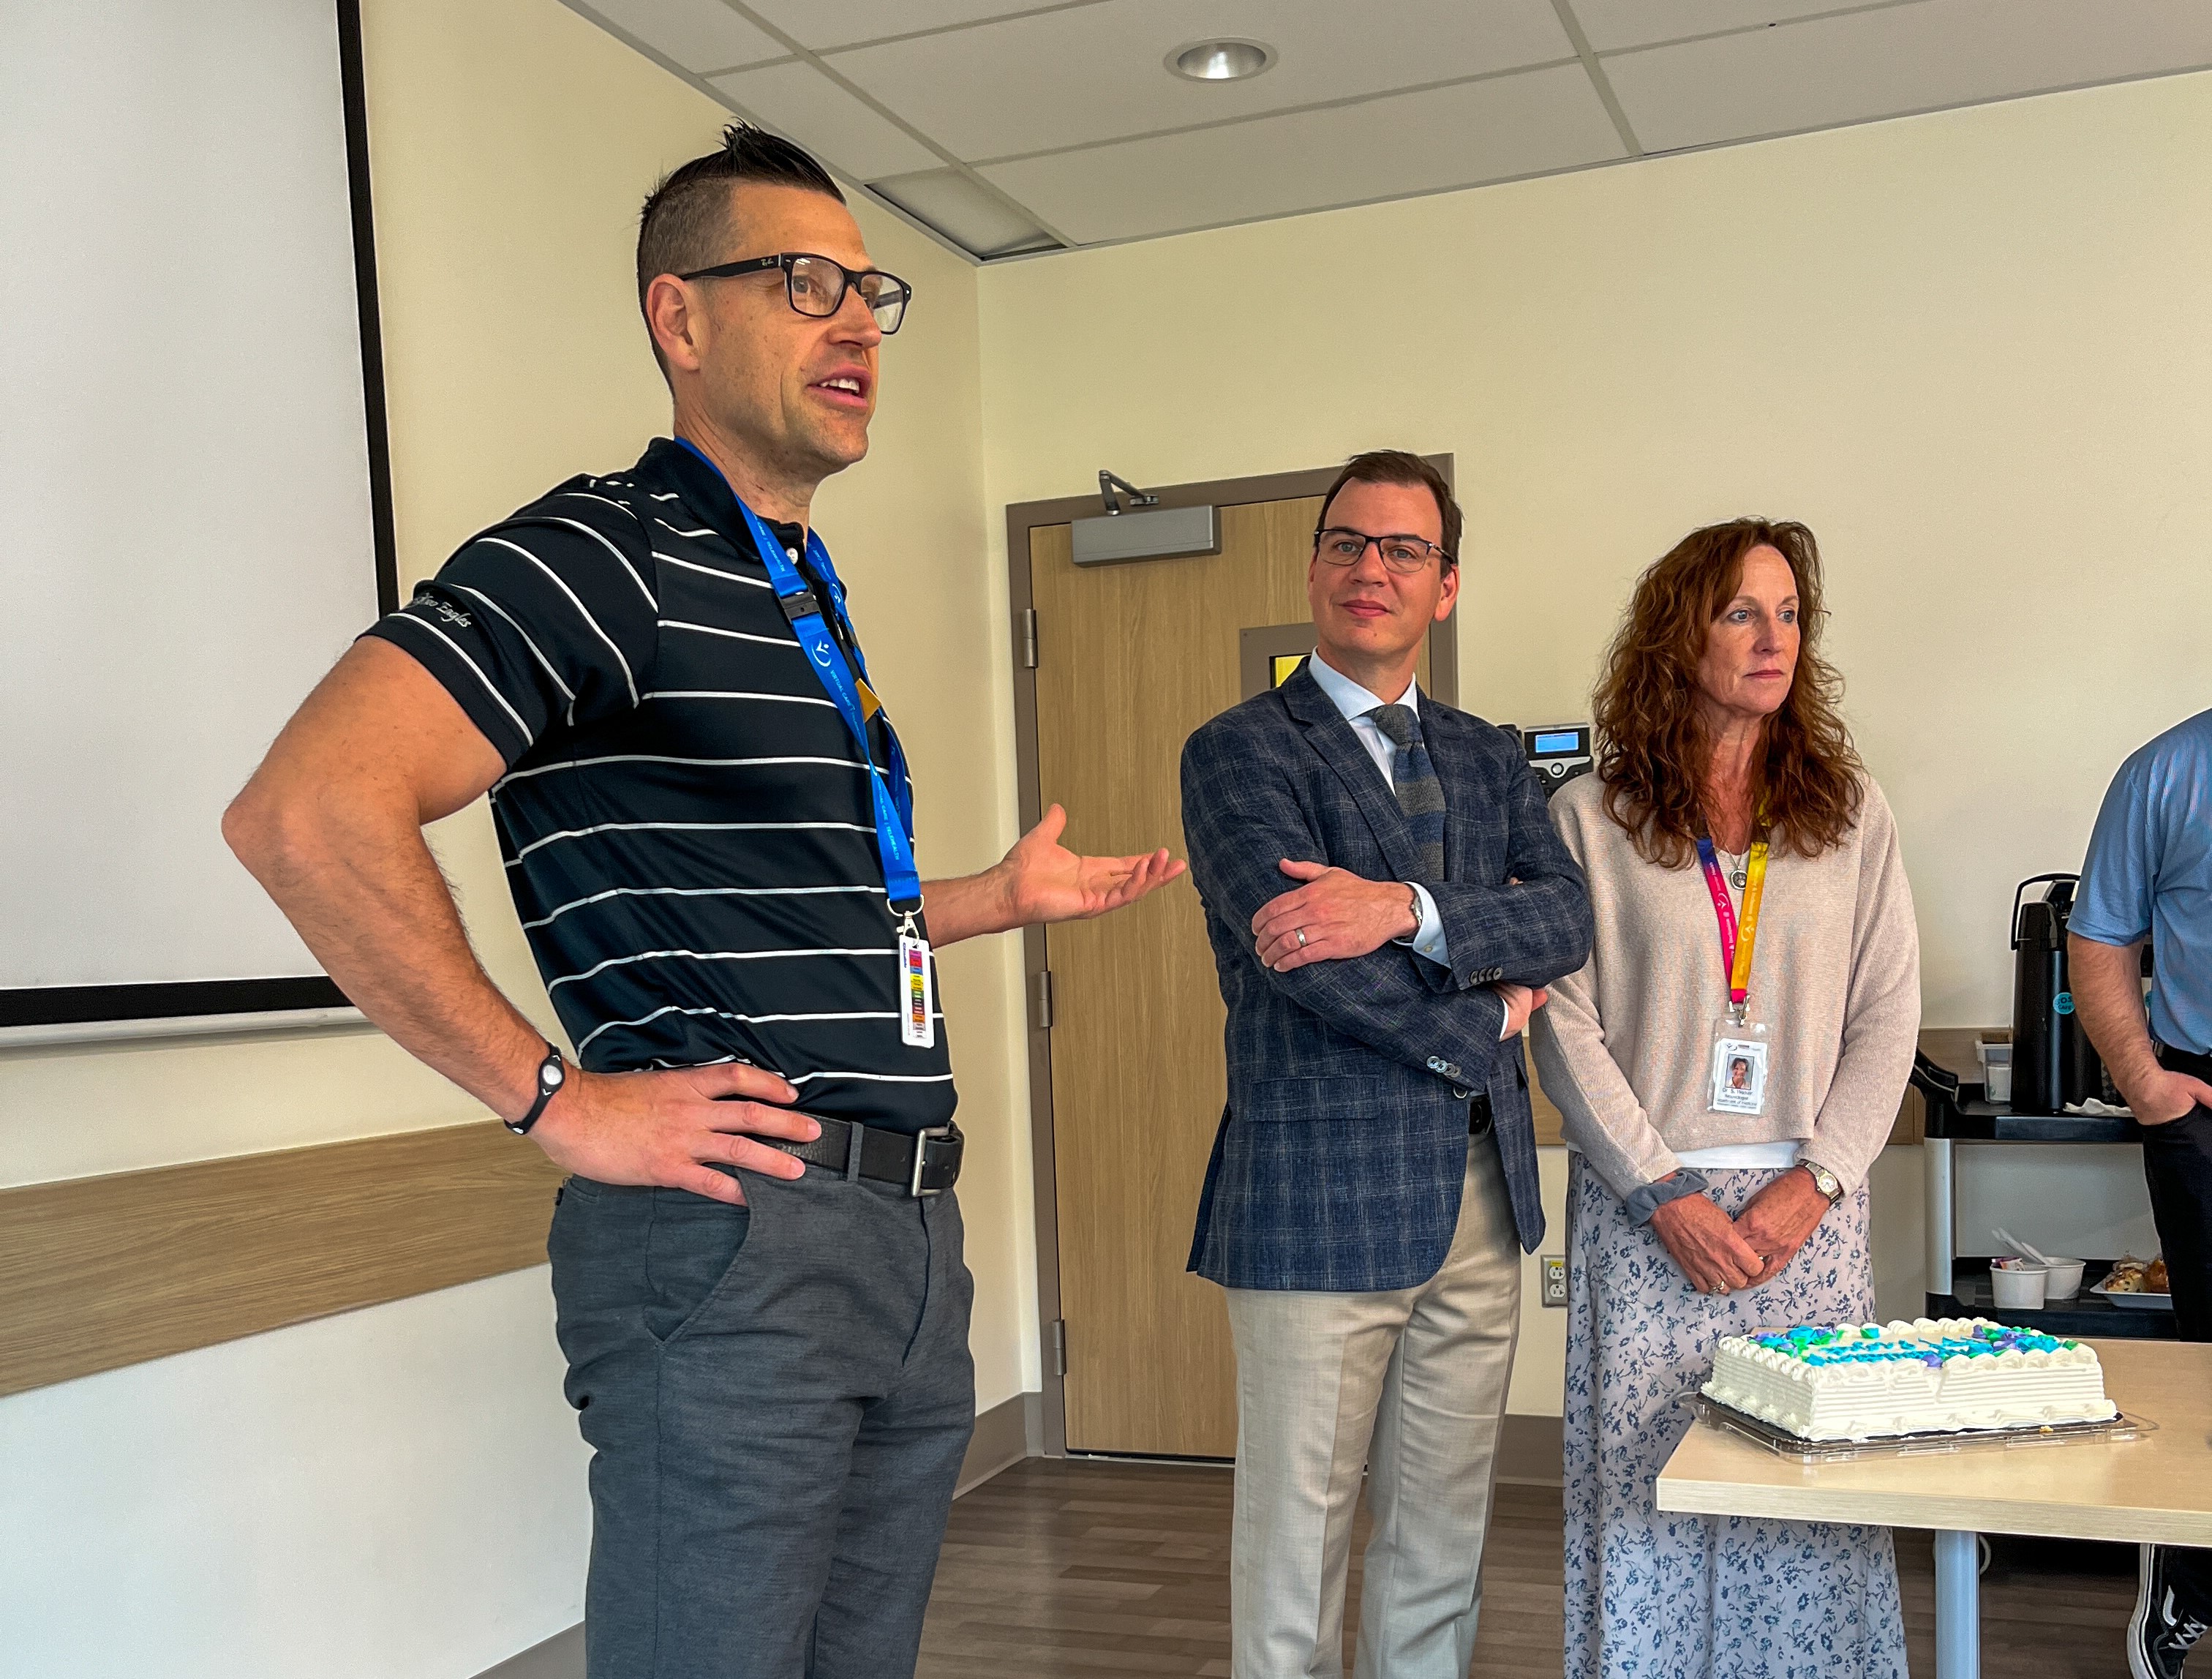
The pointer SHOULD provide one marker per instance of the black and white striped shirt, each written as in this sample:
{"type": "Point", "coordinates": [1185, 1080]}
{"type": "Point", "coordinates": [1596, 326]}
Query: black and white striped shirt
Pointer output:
{"type": "Point", "coordinates": [685, 816]}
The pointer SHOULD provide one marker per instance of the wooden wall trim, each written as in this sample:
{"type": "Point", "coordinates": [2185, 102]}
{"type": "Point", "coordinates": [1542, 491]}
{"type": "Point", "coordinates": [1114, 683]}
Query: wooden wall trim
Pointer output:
{"type": "Point", "coordinates": [96, 1273]}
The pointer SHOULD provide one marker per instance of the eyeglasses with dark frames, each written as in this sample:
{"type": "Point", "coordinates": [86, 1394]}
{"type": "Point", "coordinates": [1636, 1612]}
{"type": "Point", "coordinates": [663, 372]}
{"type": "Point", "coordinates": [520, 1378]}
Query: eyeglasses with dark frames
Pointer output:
{"type": "Point", "coordinates": [1402, 553]}
{"type": "Point", "coordinates": [817, 285]}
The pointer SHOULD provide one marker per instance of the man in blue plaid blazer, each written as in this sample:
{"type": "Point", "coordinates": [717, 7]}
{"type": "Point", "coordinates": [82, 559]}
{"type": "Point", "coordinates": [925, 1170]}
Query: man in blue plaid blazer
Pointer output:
{"type": "Point", "coordinates": [1386, 900]}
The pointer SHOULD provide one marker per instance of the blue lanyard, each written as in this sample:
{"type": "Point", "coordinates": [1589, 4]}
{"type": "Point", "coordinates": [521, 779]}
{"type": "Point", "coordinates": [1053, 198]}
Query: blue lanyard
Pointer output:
{"type": "Point", "coordinates": [894, 803]}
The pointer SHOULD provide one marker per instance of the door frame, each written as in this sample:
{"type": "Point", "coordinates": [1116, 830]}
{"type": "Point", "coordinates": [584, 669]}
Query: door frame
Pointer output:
{"type": "Point", "coordinates": [1023, 517]}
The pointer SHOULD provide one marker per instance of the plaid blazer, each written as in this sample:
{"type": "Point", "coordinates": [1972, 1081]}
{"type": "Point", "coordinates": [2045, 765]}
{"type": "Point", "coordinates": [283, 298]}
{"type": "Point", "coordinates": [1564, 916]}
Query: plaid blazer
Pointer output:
{"type": "Point", "coordinates": [1339, 1159]}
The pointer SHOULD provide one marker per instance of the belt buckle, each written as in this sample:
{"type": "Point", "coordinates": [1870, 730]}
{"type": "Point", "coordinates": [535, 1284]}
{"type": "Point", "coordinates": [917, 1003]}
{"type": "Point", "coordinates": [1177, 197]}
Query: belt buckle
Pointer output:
{"type": "Point", "coordinates": [934, 1174]}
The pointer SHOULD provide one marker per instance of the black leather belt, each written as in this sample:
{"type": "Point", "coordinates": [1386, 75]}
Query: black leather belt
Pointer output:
{"type": "Point", "coordinates": [1478, 1115]}
{"type": "Point", "coordinates": [926, 1163]}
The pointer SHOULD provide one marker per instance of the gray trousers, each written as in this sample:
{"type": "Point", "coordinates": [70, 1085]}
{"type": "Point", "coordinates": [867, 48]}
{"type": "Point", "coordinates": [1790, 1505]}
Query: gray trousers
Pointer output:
{"type": "Point", "coordinates": [1408, 1383]}
{"type": "Point", "coordinates": [779, 1398]}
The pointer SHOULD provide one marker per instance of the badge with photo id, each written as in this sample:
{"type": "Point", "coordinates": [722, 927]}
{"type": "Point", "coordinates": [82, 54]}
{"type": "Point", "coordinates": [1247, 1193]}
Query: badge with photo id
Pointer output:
{"type": "Point", "coordinates": [1738, 1082]}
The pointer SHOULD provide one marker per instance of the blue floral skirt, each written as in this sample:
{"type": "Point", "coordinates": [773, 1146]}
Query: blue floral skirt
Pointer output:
{"type": "Point", "coordinates": [1676, 1597]}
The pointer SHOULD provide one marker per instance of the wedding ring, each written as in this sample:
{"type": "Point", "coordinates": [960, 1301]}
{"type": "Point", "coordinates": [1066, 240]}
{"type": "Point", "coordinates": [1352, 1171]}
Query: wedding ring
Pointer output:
{"type": "Point", "coordinates": [1302, 937]}
{"type": "Point", "coordinates": [1719, 1289]}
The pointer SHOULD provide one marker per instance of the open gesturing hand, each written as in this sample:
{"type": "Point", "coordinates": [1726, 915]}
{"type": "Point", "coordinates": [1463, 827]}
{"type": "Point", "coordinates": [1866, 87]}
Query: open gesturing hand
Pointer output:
{"type": "Point", "coordinates": [1044, 881]}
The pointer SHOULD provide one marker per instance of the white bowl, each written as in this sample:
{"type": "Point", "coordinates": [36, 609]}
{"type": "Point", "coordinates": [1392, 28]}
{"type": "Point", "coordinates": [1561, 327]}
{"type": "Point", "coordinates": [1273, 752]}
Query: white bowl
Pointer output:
{"type": "Point", "coordinates": [2063, 1281]}
{"type": "Point", "coordinates": [2020, 1287]}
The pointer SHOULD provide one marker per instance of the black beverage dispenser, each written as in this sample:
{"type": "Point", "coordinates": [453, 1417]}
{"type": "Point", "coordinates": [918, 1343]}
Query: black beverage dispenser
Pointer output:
{"type": "Point", "coordinates": [2053, 1062]}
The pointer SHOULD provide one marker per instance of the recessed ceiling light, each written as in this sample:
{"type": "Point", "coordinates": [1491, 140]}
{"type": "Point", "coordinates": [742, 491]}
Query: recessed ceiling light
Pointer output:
{"type": "Point", "coordinates": [1220, 61]}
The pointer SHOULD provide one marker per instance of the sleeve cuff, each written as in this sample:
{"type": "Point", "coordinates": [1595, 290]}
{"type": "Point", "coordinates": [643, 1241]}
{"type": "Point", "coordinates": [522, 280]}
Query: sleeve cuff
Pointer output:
{"type": "Point", "coordinates": [1643, 1202]}
{"type": "Point", "coordinates": [1428, 938]}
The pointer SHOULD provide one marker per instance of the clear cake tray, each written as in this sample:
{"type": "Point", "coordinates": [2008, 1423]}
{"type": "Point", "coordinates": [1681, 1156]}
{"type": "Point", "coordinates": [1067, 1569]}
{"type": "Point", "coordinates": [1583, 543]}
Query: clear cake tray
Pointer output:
{"type": "Point", "coordinates": [1782, 1444]}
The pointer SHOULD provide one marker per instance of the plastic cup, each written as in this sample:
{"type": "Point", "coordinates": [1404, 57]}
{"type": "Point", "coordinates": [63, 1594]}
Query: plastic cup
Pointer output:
{"type": "Point", "coordinates": [2020, 1287]}
{"type": "Point", "coordinates": [1996, 1070]}
{"type": "Point", "coordinates": [2063, 1280]}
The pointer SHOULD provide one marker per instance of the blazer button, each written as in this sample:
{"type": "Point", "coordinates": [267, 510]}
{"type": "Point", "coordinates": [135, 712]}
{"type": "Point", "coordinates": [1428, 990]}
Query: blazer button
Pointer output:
{"type": "Point", "coordinates": [1459, 1095]}
{"type": "Point", "coordinates": [1436, 1063]}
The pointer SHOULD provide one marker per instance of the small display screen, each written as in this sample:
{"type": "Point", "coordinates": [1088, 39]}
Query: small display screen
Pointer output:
{"type": "Point", "coordinates": [1565, 740]}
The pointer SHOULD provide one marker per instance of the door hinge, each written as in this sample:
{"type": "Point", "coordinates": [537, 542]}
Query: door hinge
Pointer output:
{"type": "Point", "coordinates": [1040, 1000]}
{"type": "Point", "coordinates": [1060, 1347]}
{"type": "Point", "coordinates": [1029, 638]}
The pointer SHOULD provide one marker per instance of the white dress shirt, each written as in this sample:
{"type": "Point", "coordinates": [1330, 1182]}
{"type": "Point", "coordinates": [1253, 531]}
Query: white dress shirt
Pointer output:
{"type": "Point", "coordinates": [1355, 702]}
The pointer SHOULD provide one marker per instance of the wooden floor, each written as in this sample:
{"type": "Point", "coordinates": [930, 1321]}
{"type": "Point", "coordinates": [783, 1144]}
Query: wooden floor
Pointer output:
{"type": "Point", "coordinates": [1069, 1566]}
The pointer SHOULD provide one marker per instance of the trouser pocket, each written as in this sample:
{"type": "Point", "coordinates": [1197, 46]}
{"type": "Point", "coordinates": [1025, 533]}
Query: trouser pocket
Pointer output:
{"type": "Point", "coordinates": [692, 1245]}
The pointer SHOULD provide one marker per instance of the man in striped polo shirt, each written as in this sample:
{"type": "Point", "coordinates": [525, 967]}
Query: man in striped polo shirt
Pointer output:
{"type": "Point", "coordinates": [707, 827]}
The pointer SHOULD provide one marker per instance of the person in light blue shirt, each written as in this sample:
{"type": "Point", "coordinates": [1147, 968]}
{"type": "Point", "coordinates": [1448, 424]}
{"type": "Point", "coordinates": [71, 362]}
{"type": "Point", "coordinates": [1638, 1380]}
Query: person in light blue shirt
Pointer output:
{"type": "Point", "coordinates": [2149, 876]}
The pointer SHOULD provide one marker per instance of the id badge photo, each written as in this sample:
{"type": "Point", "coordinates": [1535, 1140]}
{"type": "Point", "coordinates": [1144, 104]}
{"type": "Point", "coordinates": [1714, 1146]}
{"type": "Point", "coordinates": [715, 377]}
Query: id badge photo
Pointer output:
{"type": "Point", "coordinates": [1737, 1084]}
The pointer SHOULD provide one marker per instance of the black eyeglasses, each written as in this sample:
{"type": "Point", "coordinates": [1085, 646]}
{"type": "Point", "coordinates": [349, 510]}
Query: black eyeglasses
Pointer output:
{"type": "Point", "coordinates": [1403, 554]}
{"type": "Point", "coordinates": [817, 285]}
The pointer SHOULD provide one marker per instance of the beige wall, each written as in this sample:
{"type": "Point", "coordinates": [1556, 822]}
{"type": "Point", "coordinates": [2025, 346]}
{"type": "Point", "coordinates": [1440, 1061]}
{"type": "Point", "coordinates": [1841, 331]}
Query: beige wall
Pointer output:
{"type": "Point", "coordinates": [1970, 350]}
{"type": "Point", "coordinates": [512, 143]}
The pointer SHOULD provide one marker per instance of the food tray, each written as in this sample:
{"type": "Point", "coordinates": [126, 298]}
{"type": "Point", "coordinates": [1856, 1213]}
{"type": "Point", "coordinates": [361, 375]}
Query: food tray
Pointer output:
{"type": "Point", "coordinates": [2132, 1299]}
{"type": "Point", "coordinates": [1784, 1443]}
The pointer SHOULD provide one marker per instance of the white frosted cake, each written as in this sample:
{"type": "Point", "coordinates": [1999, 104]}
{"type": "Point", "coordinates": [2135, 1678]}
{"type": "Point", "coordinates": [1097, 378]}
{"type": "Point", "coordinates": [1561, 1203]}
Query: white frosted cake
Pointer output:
{"type": "Point", "coordinates": [1860, 1381]}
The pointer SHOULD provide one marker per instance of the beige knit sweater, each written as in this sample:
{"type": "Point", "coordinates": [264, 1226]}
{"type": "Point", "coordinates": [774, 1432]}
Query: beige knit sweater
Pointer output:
{"type": "Point", "coordinates": [1624, 1047]}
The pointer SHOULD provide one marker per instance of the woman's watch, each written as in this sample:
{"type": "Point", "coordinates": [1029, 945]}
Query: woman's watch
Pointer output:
{"type": "Point", "coordinates": [552, 1074]}
{"type": "Point", "coordinates": [1827, 1183]}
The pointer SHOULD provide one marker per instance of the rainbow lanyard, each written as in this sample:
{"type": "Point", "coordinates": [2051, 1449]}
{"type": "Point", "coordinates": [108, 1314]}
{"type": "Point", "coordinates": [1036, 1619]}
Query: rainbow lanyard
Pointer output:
{"type": "Point", "coordinates": [1737, 937]}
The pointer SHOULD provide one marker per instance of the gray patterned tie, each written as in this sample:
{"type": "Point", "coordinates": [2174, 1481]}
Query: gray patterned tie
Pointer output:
{"type": "Point", "coordinates": [1413, 779]}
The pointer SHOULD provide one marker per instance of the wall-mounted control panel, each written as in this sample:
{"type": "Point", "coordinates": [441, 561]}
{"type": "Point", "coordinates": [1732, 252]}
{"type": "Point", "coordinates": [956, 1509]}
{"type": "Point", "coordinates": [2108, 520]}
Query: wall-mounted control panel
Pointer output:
{"type": "Point", "coordinates": [1559, 752]}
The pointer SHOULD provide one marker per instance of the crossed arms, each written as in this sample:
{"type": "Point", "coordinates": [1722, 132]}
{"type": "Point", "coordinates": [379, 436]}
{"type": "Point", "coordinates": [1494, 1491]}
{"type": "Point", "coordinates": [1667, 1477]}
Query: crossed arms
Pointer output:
{"type": "Point", "coordinates": [1249, 837]}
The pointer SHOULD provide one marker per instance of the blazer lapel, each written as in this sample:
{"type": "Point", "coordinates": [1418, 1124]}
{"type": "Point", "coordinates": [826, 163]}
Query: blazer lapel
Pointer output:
{"type": "Point", "coordinates": [1331, 736]}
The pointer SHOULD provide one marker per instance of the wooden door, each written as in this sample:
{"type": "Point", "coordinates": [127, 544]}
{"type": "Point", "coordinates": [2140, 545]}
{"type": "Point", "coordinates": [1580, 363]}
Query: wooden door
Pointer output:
{"type": "Point", "coordinates": [1131, 658]}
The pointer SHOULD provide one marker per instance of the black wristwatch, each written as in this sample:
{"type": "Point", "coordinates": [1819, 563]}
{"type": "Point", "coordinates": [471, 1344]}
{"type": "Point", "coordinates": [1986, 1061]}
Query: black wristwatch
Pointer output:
{"type": "Point", "coordinates": [552, 1074]}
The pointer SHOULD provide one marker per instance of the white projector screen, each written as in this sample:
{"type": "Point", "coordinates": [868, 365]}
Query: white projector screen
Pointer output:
{"type": "Point", "coordinates": [195, 521]}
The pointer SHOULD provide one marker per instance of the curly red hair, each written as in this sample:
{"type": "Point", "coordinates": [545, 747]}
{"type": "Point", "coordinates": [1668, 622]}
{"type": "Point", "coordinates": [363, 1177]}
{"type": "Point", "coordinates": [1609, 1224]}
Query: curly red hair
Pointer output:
{"type": "Point", "coordinates": [1652, 748]}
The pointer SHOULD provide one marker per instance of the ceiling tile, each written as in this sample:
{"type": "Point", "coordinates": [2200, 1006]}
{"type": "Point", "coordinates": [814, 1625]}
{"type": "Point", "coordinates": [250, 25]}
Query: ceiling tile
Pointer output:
{"type": "Point", "coordinates": [1608, 24]}
{"type": "Point", "coordinates": [699, 34]}
{"type": "Point", "coordinates": [1881, 63]}
{"type": "Point", "coordinates": [845, 132]}
{"type": "Point", "coordinates": [1411, 143]}
{"type": "Point", "coordinates": [968, 214]}
{"type": "Point", "coordinates": [837, 22]}
{"type": "Point", "coordinates": [1097, 72]}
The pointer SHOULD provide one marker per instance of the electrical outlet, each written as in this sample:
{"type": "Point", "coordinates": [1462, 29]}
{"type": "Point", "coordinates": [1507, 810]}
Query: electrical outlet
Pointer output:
{"type": "Point", "coordinates": [1555, 1280]}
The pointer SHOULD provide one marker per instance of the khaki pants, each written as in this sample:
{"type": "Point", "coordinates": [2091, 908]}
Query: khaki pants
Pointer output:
{"type": "Point", "coordinates": [1409, 1383]}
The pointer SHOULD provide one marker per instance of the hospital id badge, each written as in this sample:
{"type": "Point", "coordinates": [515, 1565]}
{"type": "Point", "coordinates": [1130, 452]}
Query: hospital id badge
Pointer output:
{"type": "Point", "coordinates": [1738, 1083]}
{"type": "Point", "coordinates": [917, 992]}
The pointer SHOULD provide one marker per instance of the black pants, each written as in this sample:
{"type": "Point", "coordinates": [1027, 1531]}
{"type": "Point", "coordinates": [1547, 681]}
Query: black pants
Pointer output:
{"type": "Point", "coordinates": [779, 1399]}
{"type": "Point", "coordinates": [2177, 1167]}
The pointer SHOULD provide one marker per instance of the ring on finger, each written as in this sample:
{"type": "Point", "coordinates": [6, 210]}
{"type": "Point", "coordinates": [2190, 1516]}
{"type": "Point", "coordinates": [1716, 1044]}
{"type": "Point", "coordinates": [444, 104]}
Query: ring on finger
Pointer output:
{"type": "Point", "coordinates": [1302, 937]}
{"type": "Point", "coordinates": [1717, 1290]}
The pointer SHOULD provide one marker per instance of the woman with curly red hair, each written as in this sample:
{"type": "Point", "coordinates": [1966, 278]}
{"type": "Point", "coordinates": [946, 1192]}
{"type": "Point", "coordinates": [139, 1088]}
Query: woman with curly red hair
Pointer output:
{"type": "Point", "coordinates": [1728, 1066]}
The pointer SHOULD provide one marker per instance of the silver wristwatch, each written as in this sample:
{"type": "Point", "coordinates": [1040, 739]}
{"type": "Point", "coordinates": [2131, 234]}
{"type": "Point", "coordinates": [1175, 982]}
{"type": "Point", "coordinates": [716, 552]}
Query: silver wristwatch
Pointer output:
{"type": "Point", "coordinates": [1828, 1183]}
